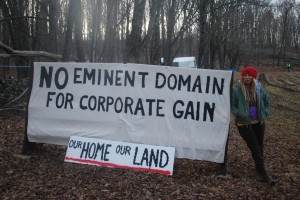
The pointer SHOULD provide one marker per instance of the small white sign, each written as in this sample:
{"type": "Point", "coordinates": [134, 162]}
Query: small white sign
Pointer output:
{"type": "Point", "coordinates": [117, 154]}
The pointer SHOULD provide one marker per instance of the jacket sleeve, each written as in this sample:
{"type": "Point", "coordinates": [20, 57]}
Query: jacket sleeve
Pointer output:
{"type": "Point", "coordinates": [266, 102]}
{"type": "Point", "coordinates": [234, 101]}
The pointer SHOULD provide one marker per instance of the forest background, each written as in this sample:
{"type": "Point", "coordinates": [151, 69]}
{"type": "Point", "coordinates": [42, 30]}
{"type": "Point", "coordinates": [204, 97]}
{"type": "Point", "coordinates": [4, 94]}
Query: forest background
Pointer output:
{"type": "Point", "coordinates": [221, 34]}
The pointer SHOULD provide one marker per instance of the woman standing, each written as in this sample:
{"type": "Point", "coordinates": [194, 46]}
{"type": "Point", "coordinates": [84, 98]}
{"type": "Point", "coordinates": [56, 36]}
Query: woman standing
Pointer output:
{"type": "Point", "coordinates": [251, 106]}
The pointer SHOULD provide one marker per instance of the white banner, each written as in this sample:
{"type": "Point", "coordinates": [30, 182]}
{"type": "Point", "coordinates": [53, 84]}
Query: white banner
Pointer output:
{"type": "Point", "coordinates": [120, 155]}
{"type": "Point", "coordinates": [188, 109]}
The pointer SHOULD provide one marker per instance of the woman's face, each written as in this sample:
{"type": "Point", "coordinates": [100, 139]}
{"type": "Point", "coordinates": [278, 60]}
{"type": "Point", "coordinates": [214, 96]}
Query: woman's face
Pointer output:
{"type": "Point", "coordinates": [247, 79]}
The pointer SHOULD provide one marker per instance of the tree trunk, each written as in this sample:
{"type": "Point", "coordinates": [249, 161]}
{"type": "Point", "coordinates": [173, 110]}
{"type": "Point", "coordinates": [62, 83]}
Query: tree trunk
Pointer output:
{"type": "Point", "coordinates": [203, 32]}
{"type": "Point", "coordinates": [96, 17]}
{"type": "Point", "coordinates": [53, 25]}
{"type": "Point", "coordinates": [69, 31]}
{"type": "Point", "coordinates": [110, 32]}
{"type": "Point", "coordinates": [78, 30]}
{"type": "Point", "coordinates": [171, 14]}
{"type": "Point", "coordinates": [74, 20]}
{"type": "Point", "coordinates": [134, 41]}
{"type": "Point", "coordinates": [153, 38]}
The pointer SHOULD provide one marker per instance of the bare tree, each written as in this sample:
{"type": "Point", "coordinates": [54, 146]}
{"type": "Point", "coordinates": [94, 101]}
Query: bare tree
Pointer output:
{"type": "Point", "coordinates": [134, 41]}
{"type": "Point", "coordinates": [179, 17]}
{"type": "Point", "coordinates": [203, 32]}
{"type": "Point", "coordinates": [108, 51]}
{"type": "Point", "coordinates": [16, 22]}
{"type": "Point", "coordinates": [96, 6]}
{"type": "Point", "coordinates": [287, 6]}
{"type": "Point", "coordinates": [152, 39]}
{"type": "Point", "coordinates": [74, 20]}
{"type": "Point", "coordinates": [53, 25]}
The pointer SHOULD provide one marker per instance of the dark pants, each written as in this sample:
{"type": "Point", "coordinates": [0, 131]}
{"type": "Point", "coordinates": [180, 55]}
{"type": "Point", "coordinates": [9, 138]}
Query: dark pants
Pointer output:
{"type": "Point", "coordinates": [253, 135]}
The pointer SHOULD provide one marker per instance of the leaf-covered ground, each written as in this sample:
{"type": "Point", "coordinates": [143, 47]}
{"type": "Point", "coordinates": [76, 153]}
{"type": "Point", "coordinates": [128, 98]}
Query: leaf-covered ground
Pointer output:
{"type": "Point", "coordinates": [45, 175]}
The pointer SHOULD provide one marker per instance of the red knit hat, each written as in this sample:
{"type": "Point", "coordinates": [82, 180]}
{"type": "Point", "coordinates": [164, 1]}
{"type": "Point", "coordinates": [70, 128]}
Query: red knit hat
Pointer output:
{"type": "Point", "coordinates": [251, 71]}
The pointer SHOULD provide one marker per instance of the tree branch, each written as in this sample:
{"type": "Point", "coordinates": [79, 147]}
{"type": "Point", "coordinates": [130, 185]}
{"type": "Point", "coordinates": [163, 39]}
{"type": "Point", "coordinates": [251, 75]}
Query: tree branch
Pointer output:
{"type": "Point", "coordinates": [15, 53]}
{"type": "Point", "coordinates": [17, 98]}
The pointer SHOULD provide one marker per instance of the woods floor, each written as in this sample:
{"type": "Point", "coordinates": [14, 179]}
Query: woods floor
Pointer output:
{"type": "Point", "coordinates": [45, 175]}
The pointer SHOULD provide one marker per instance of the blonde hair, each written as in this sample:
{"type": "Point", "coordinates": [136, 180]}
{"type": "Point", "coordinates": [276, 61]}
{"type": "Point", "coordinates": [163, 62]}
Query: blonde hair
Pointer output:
{"type": "Point", "coordinates": [249, 92]}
